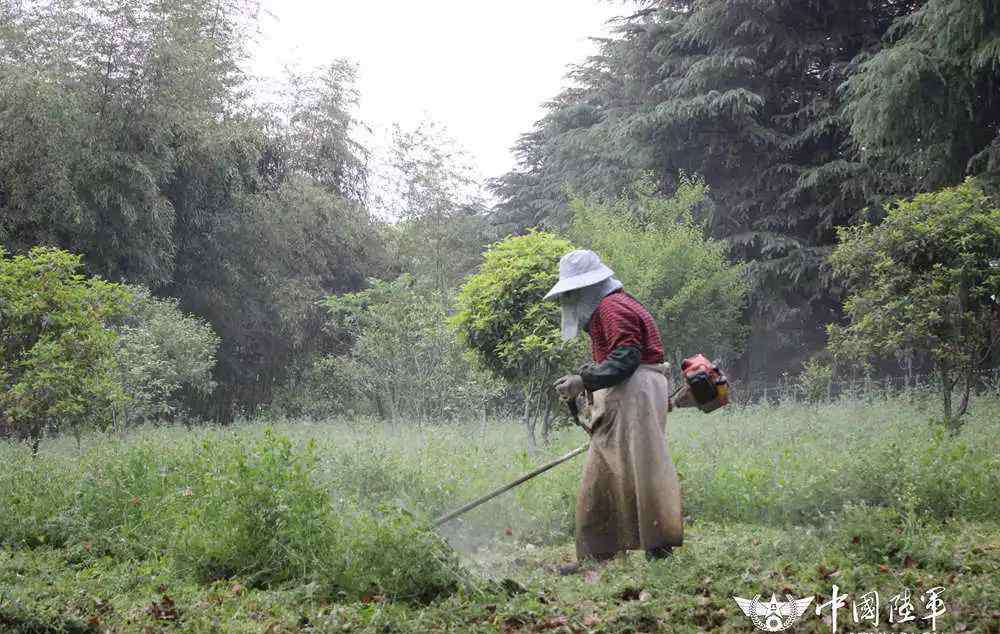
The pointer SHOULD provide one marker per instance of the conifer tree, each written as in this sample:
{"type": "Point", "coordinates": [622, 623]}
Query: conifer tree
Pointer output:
{"type": "Point", "coordinates": [745, 93]}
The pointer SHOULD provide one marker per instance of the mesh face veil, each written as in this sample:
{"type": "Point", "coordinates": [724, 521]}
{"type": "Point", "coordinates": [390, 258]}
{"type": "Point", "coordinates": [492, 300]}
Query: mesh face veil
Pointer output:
{"type": "Point", "coordinates": [579, 305]}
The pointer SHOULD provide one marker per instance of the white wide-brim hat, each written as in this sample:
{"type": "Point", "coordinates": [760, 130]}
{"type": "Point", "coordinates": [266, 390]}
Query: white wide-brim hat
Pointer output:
{"type": "Point", "coordinates": [578, 269]}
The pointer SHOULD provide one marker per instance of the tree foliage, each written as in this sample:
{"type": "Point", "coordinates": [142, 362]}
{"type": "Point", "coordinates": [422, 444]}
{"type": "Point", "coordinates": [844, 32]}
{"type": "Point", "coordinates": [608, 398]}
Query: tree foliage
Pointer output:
{"type": "Point", "coordinates": [429, 189]}
{"type": "Point", "coordinates": [663, 257]}
{"type": "Point", "coordinates": [273, 260]}
{"type": "Point", "coordinates": [926, 282]}
{"type": "Point", "coordinates": [315, 133]}
{"type": "Point", "coordinates": [131, 134]}
{"type": "Point", "coordinates": [161, 352]}
{"type": "Point", "coordinates": [403, 359]}
{"type": "Point", "coordinates": [501, 317]}
{"type": "Point", "coordinates": [101, 95]}
{"type": "Point", "coordinates": [928, 101]}
{"type": "Point", "coordinates": [57, 349]}
{"type": "Point", "coordinates": [745, 93]}
{"type": "Point", "coordinates": [127, 135]}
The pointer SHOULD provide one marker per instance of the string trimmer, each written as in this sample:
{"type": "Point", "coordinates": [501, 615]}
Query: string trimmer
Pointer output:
{"type": "Point", "coordinates": [707, 389]}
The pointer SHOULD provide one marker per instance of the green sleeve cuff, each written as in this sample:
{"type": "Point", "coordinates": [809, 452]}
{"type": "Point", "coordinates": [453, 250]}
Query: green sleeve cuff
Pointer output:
{"type": "Point", "coordinates": [618, 367]}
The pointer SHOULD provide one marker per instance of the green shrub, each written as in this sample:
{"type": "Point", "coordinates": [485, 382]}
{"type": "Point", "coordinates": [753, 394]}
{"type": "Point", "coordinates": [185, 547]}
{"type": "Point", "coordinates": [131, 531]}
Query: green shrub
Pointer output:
{"type": "Point", "coordinates": [254, 512]}
{"type": "Point", "coordinates": [503, 320]}
{"type": "Point", "coordinates": [501, 316]}
{"type": "Point", "coordinates": [816, 380]}
{"type": "Point", "coordinates": [162, 351]}
{"type": "Point", "coordinates": [924, 282]}
{"type": "Point", "coordinates": [664, 257]}
{"type": "Point", "coordinates": [392, 554]}
{"type": "Point", "coordinates": [224, 506]}
{"type": "Point", "coordinates": [403, 359]}
{"type": "Point", "coordinates": [57, 364]}
{"type": "Point", "coordinates": [36, 498]}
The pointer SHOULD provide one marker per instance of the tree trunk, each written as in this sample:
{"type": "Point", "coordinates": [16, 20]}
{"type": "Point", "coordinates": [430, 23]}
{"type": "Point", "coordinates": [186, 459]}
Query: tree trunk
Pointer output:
{"type": "Point", "coordinates": [528, 423]}
{"type": "Point", "coordinates": [964, 405]}
{"type": "Point", "coordinates": [946, 389]}
{"type": "Point", "coordinates": [546, 420]}
{"type": "Point", "coordinates": [36, 438]}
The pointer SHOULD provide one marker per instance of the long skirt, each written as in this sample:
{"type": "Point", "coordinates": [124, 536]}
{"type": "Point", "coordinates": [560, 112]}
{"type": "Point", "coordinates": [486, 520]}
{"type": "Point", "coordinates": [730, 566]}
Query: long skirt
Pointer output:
{"type": "Point", "coordinates": [630, 497]}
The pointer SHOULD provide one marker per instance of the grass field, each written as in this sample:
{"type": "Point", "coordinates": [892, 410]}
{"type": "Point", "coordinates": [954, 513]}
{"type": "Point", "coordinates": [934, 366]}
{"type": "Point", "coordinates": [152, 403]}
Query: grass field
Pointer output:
{"type": "Point", "coordinates": [321, 526]}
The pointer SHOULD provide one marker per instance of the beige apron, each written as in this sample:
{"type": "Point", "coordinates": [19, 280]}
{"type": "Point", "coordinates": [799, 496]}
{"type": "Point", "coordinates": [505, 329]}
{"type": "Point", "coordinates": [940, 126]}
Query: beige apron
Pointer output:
{"type": "Point", "coordinates": [630, 497]}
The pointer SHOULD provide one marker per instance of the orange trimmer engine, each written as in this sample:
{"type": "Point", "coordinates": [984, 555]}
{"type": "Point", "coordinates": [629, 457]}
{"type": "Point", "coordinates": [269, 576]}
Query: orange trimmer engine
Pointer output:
{"type": "Point", "coordinates": [706, 383]}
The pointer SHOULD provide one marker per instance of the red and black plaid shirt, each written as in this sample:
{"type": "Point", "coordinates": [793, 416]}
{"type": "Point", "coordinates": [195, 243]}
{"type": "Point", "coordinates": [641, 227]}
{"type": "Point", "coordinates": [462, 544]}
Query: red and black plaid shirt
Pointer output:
{"type": "Point", "coordinates": [621, 321]}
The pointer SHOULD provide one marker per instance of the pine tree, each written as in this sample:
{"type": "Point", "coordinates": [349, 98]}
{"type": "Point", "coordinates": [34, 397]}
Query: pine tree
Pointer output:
{"type": "Point", "coordinates": [744, 93]}
{"type": "Point", "coordinates": [929, 102]}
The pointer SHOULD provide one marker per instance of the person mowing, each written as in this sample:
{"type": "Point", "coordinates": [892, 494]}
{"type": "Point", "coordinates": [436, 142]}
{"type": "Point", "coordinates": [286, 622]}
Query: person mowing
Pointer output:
{"type": "Point", "coordinates": [630, 497]}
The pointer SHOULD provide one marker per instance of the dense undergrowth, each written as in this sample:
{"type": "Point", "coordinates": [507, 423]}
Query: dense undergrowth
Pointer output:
{"type": "Point", "coordinates": [281, 524]}
{"type": "Point", "coordinates": [243, 503]}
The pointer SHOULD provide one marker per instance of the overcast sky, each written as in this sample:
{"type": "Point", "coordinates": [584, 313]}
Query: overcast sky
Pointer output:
{"type": "Point", "coordinates": [482, 68]}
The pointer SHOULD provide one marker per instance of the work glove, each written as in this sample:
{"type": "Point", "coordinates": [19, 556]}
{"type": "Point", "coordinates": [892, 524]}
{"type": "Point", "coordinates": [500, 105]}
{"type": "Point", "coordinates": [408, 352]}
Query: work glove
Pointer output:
{"type": "Point", "coordinates": [569, 386]}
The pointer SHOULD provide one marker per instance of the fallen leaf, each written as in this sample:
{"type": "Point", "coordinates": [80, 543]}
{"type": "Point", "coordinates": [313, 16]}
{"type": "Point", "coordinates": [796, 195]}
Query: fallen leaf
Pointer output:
{"type": "Point", "coordinates": [909, 562]}
{"type": "Point", "coordinates": [136, 501]}
{"type": "Point", "coordinates": [553, 623]}
{"type": "Point", "coordinates": [165, 610]}
{"type": "Point", "coordinates": [883, 568]}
